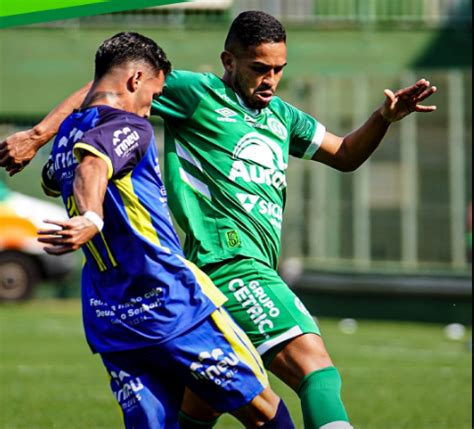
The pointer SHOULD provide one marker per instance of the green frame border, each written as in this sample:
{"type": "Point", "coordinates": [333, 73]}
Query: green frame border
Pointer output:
{"type": "Point", "coordinates": [13, 17]}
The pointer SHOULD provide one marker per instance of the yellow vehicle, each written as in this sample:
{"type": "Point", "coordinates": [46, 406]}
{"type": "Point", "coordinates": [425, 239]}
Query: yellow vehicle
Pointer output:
{"type": "Point", "coordinates": [23, 262]}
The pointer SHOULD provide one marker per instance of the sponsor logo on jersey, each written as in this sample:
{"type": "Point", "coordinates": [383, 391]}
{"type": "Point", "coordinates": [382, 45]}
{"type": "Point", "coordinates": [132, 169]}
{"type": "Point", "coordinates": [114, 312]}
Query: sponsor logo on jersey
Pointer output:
{"type": "Point", "coordinates": [260, 307]}
{"type": "Point", "coordinates": [66, 160]}
{"type": "Point", "coordinates": [125, 141]}
{"type": "Point", "coordinates": [260, 160]}
{"type": "Point", "coordinates": [126, 389]}
{"type": "Point", "coordinates": [266, 208]}
{"type": "Point", "coordinates": [226, 115]}
{"type": "Point", "coordinates": [248, 201]}
{"type": "Point", "coordinates": [74, 135]}
{"type": "Point", "coordinates": [216, 367]}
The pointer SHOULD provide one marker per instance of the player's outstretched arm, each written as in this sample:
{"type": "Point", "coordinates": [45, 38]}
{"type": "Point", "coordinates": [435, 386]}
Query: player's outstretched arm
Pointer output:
{"type": "Point", "coordinates": [350, 152]}
{"type": "Point", "coordinates": [17, 150]}
{"type": "Point", "coordinates": [90, 186]}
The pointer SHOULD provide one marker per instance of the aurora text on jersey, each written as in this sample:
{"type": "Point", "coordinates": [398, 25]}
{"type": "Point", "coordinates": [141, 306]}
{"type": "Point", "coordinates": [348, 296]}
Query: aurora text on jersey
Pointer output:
{"type": "Point", "coordinates": [226, 166]}
{"type": "Point", "coordinates": [137, 288]}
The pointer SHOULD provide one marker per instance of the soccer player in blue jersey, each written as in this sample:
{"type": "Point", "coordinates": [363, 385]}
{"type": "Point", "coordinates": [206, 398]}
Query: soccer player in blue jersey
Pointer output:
{"type": "Point", "coordinates": [155, 319]}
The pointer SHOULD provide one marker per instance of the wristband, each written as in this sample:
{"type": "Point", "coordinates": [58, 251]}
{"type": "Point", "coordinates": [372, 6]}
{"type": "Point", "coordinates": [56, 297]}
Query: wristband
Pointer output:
{"type": "Point", "coordinates": [95, 219]}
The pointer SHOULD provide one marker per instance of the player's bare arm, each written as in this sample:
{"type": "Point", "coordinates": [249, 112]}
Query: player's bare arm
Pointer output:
{"type": "Point", "coordinates": [17, 150]}
{"type": "Point", "coordinates": [350, 152]}
{"type": "Point", "coordinates": [90, 185]}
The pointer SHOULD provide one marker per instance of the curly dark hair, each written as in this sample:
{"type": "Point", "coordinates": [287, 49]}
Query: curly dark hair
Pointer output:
{"type": "Point", "coordinates": [129, 47]}
{"type": "Point", "coordinates": [252, 28]}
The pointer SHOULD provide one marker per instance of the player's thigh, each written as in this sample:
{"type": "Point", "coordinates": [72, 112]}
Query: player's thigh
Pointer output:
{"type": "Point", "coordinates": [217, 362]}
{"type": "Point", "coordinates": [263, 305]}
{"type": "Point", "coordinates": [146, 390]}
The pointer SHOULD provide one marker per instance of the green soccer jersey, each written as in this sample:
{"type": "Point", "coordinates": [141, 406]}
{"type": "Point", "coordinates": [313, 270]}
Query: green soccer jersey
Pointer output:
{"type": "Point", "coordinates": [226, 166]}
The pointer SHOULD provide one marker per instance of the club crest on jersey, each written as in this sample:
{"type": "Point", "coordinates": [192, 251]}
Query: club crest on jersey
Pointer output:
{"type": "Point", "coordinates": [259, 160]}
{"type": "Point", "coordinates": [278, 128]}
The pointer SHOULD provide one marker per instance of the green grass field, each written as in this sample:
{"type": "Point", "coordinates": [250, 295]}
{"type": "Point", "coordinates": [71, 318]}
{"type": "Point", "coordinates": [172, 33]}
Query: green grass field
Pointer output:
{"type": "Point", "coordinates": [396, 376]}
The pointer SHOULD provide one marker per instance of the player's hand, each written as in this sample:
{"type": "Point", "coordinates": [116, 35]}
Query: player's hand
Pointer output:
{"type": "Point", "coordinates": [69, 237]}
{"type": "Point", "coordinates": [18, 150]}
{"type": "Point", "coordinates": [408, 100]}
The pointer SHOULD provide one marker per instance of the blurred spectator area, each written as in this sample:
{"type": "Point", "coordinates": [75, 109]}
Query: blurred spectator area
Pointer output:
{"type": "Point", "coordinates": [323, 13]}
{"type": "Point", "coordinates": [430, 13]}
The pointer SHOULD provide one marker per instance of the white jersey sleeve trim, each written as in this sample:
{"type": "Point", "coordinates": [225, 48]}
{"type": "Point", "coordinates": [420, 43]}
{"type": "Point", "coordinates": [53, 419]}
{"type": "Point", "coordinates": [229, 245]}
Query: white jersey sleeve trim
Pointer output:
{"type": "Point", "coordinates": [316, 142]}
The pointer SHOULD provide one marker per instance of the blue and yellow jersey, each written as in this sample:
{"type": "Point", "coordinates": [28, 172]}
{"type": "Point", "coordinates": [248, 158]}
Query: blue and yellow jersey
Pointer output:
{"type": "Point", "coordinates": [137, 288]}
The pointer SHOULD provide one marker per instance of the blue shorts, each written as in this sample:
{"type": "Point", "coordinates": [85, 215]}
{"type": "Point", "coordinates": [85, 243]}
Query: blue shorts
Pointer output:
{"type": "Point", "coordinates": [215, 360]}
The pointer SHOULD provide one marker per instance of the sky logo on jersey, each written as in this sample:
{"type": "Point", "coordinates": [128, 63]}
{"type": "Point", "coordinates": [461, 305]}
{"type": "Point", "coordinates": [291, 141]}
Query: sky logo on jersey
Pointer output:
{"type": "Point", "coordinates": [215, 366]}
{"type": "Point", "coordinates": [259, 160]}
{"type": "Point", "coordinates": [248, 201]}
{"type": "Point", "coordinates": [266, 208]}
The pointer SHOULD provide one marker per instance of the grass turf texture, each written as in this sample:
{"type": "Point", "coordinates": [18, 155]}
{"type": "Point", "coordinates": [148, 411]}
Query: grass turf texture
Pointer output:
{"type": "Point", "coordinates": [395, 375]}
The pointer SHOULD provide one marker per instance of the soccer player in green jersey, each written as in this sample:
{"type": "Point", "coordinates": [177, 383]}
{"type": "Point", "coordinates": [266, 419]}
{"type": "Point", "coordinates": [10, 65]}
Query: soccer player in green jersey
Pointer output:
{"type": "Point", "coordinates": [227, 146]}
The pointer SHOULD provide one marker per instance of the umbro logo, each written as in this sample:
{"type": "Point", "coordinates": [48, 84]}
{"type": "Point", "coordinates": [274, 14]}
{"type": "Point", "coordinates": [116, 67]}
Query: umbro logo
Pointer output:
{"type": "Point", "coordinates": [226, 115]}
{"type": "Point", "coordinates": [248, 201]}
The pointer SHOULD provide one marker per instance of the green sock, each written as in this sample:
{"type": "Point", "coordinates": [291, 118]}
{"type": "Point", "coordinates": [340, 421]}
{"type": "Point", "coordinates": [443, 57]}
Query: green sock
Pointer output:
{"type": "Point", "coordinates": [320, 394]}
{"type": "Point", "coordinates": [186, 422]}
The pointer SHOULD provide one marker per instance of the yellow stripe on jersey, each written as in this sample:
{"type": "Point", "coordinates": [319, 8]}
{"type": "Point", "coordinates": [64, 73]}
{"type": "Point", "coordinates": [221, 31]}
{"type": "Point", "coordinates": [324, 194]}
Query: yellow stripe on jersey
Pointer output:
{"type": "Point", "coordinates": [88, 148]}
{"type": "Point", "coordinates": [139, 217]}
{"type": "Point", "coordinates": [207, 286]}
{"type": "Point", "coordinates": [96, 255]}
{"type": "Point", "coordinates": [74, 211]}
{"type": "Point", "coordinates": [246, 353]}
{"type": "Point", "coordinates": [109, 252]}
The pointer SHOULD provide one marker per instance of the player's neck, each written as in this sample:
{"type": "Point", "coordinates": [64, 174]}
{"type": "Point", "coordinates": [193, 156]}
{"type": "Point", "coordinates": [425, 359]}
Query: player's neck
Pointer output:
{"type": "Point", "coordinates": [110, 91]}
{"type": "Point", "coordinates": [228, 81]}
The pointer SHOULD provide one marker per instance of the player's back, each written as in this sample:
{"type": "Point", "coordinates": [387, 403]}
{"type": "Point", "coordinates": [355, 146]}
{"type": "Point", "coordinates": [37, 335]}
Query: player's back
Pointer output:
{"type": "Point", "coordinates": [135, 271]}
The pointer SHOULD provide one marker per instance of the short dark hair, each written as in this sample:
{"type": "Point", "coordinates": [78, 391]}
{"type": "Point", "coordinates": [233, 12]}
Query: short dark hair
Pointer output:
{"type": "Point", "coordinates": [129, 47]}
{"type": "Point", "coordinates": [252, 28]}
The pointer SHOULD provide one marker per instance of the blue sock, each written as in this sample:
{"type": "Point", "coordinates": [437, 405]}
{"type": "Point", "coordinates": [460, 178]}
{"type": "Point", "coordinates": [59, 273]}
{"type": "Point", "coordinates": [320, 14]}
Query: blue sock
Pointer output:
{"type": "Point", "coordinates": [282, 420]}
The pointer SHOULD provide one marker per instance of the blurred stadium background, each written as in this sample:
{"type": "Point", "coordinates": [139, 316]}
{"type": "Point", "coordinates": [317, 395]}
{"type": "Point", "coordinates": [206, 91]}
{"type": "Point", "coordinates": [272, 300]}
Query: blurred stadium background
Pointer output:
{"type": "Point", "coordinates": [390, 241]}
